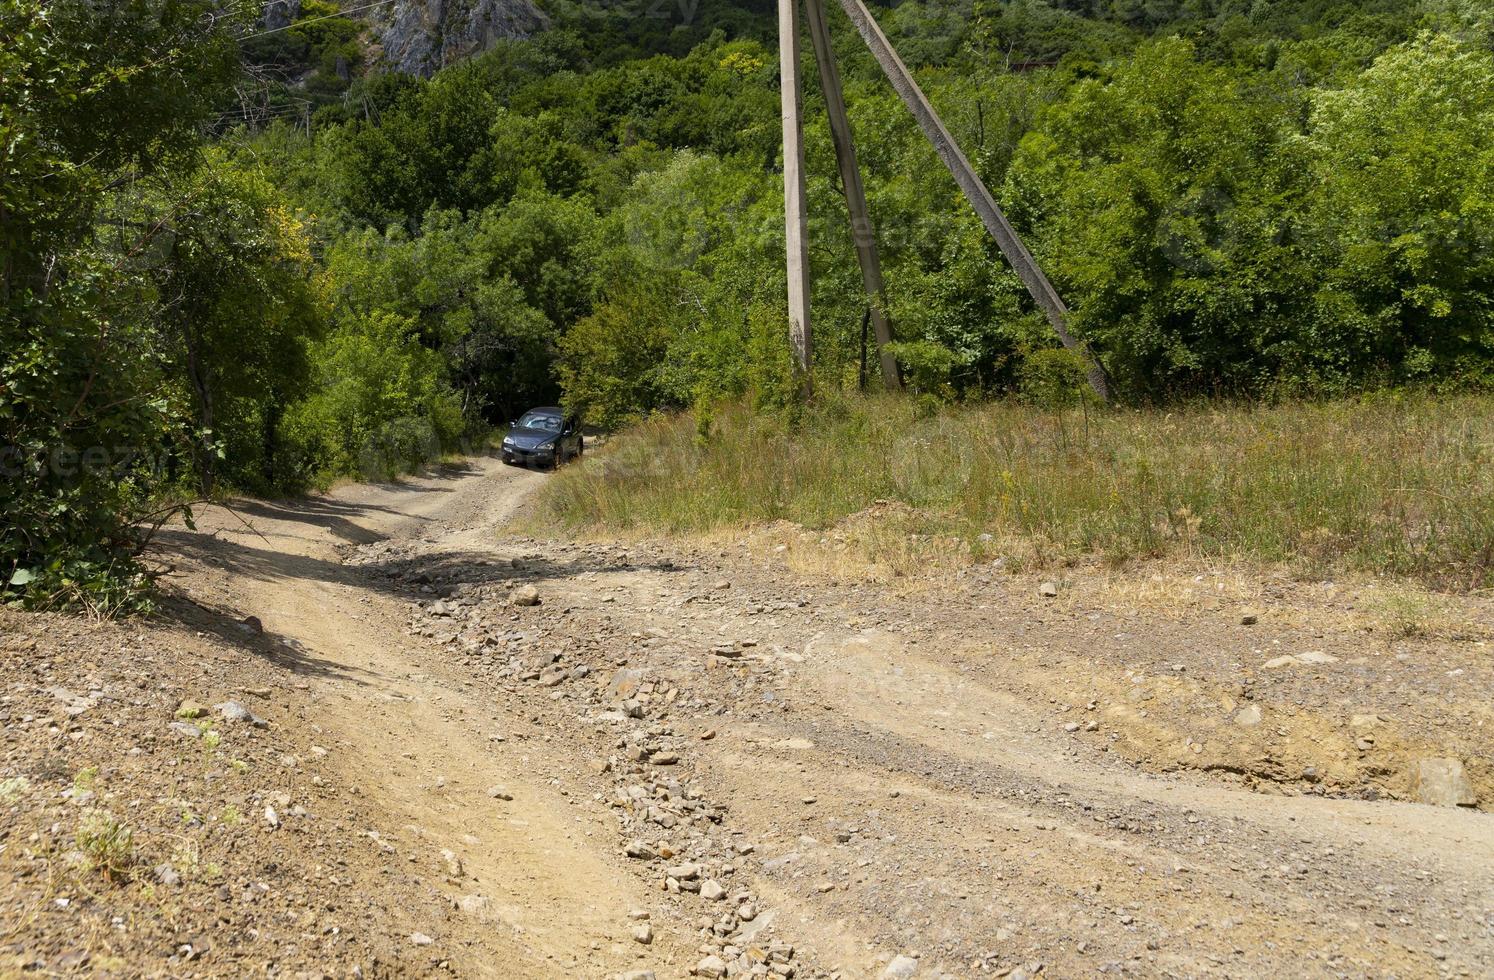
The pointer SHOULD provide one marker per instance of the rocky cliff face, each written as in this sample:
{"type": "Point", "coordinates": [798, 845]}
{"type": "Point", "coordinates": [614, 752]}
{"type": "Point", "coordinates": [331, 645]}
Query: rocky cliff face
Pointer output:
{"type": "Point", "coordinates": [279, 13]}
{"type": "Point", "coordinates": [419, 37]}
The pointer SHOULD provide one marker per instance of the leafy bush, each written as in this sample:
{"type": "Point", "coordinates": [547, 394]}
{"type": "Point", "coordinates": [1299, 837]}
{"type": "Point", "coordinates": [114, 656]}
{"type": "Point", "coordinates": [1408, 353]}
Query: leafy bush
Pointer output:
{"type": "Point", "coordinates": [87, 103]}
{"type": "Point", "coordinates": [379, 405]}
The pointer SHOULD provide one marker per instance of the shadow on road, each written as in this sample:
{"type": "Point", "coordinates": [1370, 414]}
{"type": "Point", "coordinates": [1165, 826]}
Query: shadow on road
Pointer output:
{"type": "Point", "coordinates": [284, 652]}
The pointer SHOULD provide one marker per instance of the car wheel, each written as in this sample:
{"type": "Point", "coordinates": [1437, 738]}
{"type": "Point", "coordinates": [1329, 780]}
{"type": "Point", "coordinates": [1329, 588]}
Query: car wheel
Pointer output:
{"type": "Point", "coordinates": [580, 447]}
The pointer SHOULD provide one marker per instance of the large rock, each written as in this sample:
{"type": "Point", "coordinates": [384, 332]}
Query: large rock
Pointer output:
{"type": "Point", "coordinates": [279, 13]}
{"type": "Point", "coordinates": [901, 968]}
{"type": "Point", "coordinates": [420, 37]}
{"type": "Point", "coordinates": [625, 683]}
{"type": "Point", "coordinates": [712, 966]}
{"type": "Point", "coordinates": [1442, 782]}
{"type": "Point", "coordinates": [1248, 716]}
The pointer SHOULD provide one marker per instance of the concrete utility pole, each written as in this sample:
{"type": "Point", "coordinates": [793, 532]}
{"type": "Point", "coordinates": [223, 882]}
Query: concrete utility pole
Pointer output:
{"type": "Point", "coordinates": [975, 192]}
{"type": "Point", "coordinates": [862, 230]}
{"type": "Point", "coordinates": [795, 236]}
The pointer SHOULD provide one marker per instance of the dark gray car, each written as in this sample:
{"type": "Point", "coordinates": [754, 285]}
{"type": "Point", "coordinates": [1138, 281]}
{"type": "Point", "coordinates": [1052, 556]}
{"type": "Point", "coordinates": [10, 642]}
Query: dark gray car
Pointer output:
{"type": "Point", "coordinates": [544, 437]}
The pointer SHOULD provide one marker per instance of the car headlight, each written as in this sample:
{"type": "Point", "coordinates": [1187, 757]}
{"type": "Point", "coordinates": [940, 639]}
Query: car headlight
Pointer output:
{"type": "Point", "coordinates": [508, 442]}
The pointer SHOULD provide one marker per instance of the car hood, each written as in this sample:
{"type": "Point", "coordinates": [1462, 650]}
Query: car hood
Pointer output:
{"type": "Point", "coordinates": [526, 438]}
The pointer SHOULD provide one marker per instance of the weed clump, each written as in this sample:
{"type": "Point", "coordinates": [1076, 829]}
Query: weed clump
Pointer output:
{"type": "Point", "coordinates": [107, 842]}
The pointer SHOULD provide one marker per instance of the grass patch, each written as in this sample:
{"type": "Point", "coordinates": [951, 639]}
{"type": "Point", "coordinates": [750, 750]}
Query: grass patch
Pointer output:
{"type": "Point", "coordinates": [108, 843]}
{"type": "Point", "coordinates": [1396, 485]}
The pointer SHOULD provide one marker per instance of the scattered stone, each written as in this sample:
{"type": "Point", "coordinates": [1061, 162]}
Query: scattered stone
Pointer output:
{"type": "Point", "coordinates": [234, 712]}
{"type": "Point", "coordinates": [190, 709]}
{"type": "Point", "coordinates": [166, 875]}
{"type": "Point", "coordinates": [474, 904]}
{"type": "Point", "coordinates": [711, 890]}
{"type": "Point", "coordinates": [526, 595]}
{"type": "Point", "coordinates": [76, 704]}
{"type": "Point", "coordinates": [1442, 782]}
{"type": "Point", "coordinates": [711, 966]}
{"type": "Point", "coordinates": [638, 849]}
{"type": "Point", "coordinates": [252, 625]}
{"type": "Point", "coordinates": [1048, 590]}
{"type": "Point", "coordinates": [74, 959]}
{"type": "Point", "coordinates": [1248, 716]}
{"type": "Point", "coordinates": [643, 933]}
{"type": "Point", "coordinates": [272, 818]}
{"type": "Point", "coordinates": [1072, 726]}
{"type": "Point", "coordinates": [1307, 658]}
{"type": "Point", "coordinates": [421, 939]}
{"type": "Point", "coordinates": [499, 793]}
{"type": "Point", "coordinates": [1249, 617]}
{"type": "Point", "coordinates": [900, 968]}
{"type": "Point", "coordinates": [187, 729]}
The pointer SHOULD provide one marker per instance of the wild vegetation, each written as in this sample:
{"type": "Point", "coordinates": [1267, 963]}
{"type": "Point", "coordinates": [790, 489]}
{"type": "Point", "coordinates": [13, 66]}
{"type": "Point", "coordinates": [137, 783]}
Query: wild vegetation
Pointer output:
{"type": "Point", "coordinates": [1251, 201]}
{"type": "Point", "coordinates": [1387, 485]}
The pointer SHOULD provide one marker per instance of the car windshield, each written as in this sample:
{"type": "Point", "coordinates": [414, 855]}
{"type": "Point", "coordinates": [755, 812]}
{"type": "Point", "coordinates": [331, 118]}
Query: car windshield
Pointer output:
{"type": "Point", "coordinates": [540, 420]}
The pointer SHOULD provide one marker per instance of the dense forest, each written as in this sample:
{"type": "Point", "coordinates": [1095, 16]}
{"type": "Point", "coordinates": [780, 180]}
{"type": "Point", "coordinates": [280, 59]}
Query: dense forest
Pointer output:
{"type": "Point", "coordinates": [244, 258]}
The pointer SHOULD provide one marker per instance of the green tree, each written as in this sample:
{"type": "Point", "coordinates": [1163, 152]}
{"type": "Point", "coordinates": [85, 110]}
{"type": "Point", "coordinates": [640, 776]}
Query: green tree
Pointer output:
{"type": "Point", "coordinates": [1164, 200]}
{"type": "Point", "coordinates": [88, 105]}
{"type": "Point", "coordinates": [1403, 212]}
{"type": "Point", "coordinates": [235, 308]}
{"type": "Point", "coordinates": [379, 405]}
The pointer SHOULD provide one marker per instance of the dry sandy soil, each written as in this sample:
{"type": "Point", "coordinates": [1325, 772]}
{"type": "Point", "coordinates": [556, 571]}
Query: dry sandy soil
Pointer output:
{"type": "Point", "coordinates": [476, 753]}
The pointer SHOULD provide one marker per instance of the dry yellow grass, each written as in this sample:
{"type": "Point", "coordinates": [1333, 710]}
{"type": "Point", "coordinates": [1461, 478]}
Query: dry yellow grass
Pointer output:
{"type": "Point", "coordinates": [1397, 486]}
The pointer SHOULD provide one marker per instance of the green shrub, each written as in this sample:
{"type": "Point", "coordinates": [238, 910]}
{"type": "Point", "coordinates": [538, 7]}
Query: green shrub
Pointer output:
{"type": "Point", "coordinates": [380, 405]}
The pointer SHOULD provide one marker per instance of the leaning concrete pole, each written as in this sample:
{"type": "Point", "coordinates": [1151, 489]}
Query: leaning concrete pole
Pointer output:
{"type": "Point", "coordinates": [985, 205]}
{"type": "Point", "coordinates": [793, 189]}
{"type": "Point", "coordinates": [862, 231]}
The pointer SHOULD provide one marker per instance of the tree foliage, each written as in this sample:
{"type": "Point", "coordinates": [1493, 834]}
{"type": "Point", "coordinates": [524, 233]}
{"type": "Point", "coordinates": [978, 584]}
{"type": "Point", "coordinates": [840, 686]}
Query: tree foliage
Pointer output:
{"type": "Point", "coordinates": [1237, 197]}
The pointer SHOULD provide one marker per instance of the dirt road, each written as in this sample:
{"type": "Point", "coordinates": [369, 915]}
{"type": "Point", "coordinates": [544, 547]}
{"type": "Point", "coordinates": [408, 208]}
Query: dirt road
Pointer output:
{"type": "Point", "coordinates": [688, 760]}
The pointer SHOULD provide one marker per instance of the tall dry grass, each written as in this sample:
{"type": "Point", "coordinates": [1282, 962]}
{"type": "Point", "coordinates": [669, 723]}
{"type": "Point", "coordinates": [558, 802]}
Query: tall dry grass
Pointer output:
{"type": "Point", "coordinates": [1396, 485]}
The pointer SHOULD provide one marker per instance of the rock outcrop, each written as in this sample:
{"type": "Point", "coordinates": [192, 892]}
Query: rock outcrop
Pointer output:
{"type": "Point", "coordinates": [279, 14]}
{"type": "Point", "coordinates": [420, 37]}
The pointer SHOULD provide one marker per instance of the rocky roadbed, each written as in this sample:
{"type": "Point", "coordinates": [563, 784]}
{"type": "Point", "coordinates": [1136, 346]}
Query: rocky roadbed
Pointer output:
{"type": "Point", "coordinates": [521, 757]}
{"type": "Point", "coordinates": [245, 851]}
